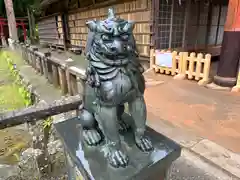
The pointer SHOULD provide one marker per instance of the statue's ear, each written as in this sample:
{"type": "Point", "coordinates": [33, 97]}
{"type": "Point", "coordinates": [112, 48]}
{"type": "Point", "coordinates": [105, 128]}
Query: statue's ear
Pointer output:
{"type": "Point", "coordinates": [129, 26]}
{"type": "Point", "coordinates": [92, 26]}
{"type": "Point", "coordinates": [89, 41]}
{"type": "Point", "coordinates": [133, 41]}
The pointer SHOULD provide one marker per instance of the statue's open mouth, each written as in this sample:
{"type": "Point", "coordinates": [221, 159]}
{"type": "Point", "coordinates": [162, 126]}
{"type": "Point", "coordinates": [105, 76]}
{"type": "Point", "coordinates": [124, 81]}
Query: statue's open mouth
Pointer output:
{"type": "Point", "coordinates": [115, 57]}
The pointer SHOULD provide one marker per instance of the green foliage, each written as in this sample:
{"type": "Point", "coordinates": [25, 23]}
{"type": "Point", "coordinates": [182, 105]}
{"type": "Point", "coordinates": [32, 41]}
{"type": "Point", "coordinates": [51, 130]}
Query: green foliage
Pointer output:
{"type": "Point", "coordinates": [15, 89]}
{"type": "Point", "coordinates": [23, 91]}
{"type": "Point", "coordinates": [10, 99]}
{"type": "Point", "coordinates": [23, 5]}
{"type": "Point", "coordinates": [47, 123]}
{"type": "Point", "coordinates": [26, 95]}
{"type": "Point", "coordinates": [20, 7]}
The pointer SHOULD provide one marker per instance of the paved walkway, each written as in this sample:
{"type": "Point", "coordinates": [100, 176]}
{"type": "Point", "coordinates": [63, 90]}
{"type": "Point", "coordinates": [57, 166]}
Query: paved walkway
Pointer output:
{"type": "Point", "coordinates": [196, 117]}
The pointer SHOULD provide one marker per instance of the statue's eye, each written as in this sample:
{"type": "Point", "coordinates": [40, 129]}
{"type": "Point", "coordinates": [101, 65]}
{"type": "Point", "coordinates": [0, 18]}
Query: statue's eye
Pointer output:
{"type": "Point", "coordinates": [105, 37]}
{"type": "Point", "coordinates": [125, 36]}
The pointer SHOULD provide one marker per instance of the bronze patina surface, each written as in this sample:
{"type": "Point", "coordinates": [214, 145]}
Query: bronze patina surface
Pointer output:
{"type": "Point", "coordinates": [92, 164]}
{"type": "Point", "coordinates": [114, 78]}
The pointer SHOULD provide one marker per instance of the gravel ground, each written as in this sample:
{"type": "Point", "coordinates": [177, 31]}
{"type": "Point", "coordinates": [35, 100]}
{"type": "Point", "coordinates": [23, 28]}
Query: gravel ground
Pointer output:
{"type": "Point", "coordinates": [190, 167]}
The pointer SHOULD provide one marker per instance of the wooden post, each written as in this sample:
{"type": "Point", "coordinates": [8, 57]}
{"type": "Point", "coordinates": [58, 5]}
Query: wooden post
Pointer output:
{"type": "Point", "coordinates": [28, 53]}
{"type": "Point", "coordinates": [230, 53]}
{"type": "Point", "coordinates": [45, 66]}
{"type": "Point", "coordinates": [236, 88]}
{"type": "Point", "coordinates": [30, 23]}
{"type": "Point", "coordinates": [34, 63]}
{"type": "Point", "coordinates": [31, 56]}
{"type": "Point", "coordinates": [24, 49]}
{"type": "Point", "coordinates": [183, 61]}
{"type": "Point", "coordinates": [80, 85]}
{"type": "Point", "coordinates": [55, 75]}
{"type": "Point", "coordinates": [62, 80]}
{"type": "Point", "coordinates": [38, 67]}
{"type": "Point", "coordinates": [198, 21]}
{"type": "Point", "coordinates": [156, 27]}
{"type": "Point", "coordinates": [152, 58]}
{"type": "Point", "coordinates": [68, 75]}
{"type": "Point", "coordinates": [73, 83]}
{"type": "Point", "coordinates": [23, 52]}
{"type": "Point", "coordinates": [208, 24]}
{"type": "Point", "coordinates": [65, 31]}
{"type": "Point", "coordinates": [153, 19]}
{"type": "Point", "coordinates": [219, 19]}
{"type": "Point", "coordinates": [50, 71]}
{"type": "Point", "coordinates": [206, 70]}
{"type": "Point", "coordinates": [171, 27]}
{"type": "Point", "coordinates": [186, 19]}
{"type": "Point", "coordinates": [33, 28]}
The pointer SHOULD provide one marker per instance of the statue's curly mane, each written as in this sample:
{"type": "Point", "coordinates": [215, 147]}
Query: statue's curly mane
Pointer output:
{"type": "Point", "coordinates": [112, 41]}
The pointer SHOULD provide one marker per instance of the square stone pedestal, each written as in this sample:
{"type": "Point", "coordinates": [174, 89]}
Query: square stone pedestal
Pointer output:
{"type": "Point", "coordinates": [88, 163]}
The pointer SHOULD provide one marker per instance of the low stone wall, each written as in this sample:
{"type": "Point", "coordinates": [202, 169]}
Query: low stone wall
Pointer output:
{"type": "Point", "coordinates": [61, 73]}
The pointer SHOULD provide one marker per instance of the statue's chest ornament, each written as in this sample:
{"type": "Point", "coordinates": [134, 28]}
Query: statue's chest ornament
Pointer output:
{"type": "Point", "coordinates": [123, 70]}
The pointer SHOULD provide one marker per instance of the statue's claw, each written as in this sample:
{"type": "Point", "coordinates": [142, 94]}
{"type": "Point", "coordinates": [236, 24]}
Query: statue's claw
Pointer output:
{"type": "Point", "coordinates": [117, 158]}
{"type": "Point", "coordinates": [92, 137]}
{"type": "Point", "coordinates": [123, 127]}
{"type": "Point", "coordinates": [144, 144]}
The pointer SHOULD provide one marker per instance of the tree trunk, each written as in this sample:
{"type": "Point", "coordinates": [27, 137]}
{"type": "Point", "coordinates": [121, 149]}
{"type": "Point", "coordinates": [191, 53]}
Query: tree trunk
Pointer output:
{"type": "Point", "coordinates": [33, 24]}
{"type": "Point", "coordinates": [30, 24]}
{"type": "Point", "coordinates": [11, 20]}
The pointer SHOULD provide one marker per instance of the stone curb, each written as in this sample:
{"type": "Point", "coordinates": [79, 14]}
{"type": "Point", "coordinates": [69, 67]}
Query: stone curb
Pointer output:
{"type": "Point", "coordinates": [215, 165]}
{"type": "Point", "coordinates": [208, 151]}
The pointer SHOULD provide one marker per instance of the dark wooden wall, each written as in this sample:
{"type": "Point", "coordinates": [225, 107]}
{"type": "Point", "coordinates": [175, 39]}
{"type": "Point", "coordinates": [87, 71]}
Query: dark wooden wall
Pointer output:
{"type": "Point", "coordinates": [191, 25]}
{"type": "Point", "coordinates": [137, 10]}
{"type": "Point", "coordinates": [50, 30]}
{"type": "Point", "coordinates": [159, 24]}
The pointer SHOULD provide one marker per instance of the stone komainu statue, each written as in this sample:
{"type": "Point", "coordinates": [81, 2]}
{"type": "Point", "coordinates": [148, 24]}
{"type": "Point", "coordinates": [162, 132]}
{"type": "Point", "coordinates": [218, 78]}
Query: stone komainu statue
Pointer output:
{"type": "Point", "coordinates": [114, 78]}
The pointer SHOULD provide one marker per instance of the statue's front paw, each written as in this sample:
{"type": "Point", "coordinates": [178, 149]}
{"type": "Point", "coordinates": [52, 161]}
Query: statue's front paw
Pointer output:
{"type": "Point", "coordinates": [144, 144]}
{"type": "Point", "coordinates": [118, 158]}
{"type": "Point", "coordinates": [123, 127]}
{"type": "Point", "coordinates": [92, 137]}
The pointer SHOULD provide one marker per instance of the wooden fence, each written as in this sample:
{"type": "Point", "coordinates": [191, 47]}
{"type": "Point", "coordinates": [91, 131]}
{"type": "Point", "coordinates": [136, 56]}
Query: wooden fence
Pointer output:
{"type": "Point", "coordinates": [174, 70]}
{"type": "Point", "coordinates": [183, 65]}
{"type": "Point", "coordinates": [236, 88]}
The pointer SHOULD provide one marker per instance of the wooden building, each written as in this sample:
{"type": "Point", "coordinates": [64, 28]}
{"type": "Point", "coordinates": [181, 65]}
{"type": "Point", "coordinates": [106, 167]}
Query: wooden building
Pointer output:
{"type": "Point", "coordinates": [161, 24]}
{"type": "Point", "coordinates": [187, 25]}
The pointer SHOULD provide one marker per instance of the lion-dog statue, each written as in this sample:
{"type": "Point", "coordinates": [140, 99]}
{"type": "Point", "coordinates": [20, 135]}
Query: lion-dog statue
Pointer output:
{"type": "Point", "coordinates": [113, 78]}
